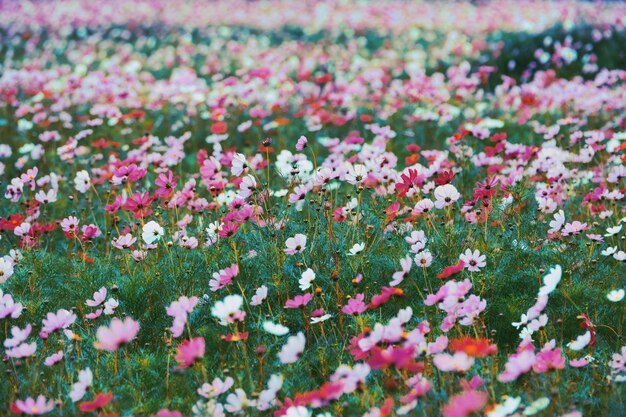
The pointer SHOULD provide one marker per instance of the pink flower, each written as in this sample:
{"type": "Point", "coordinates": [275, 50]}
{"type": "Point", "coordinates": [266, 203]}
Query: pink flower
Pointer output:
{"type": "Point", "coordinates": [70, 225]}
{"type": "Point", "coordinates": [301, 144]}
{"type": "Point", "coordinates": [224, 277]}
{"type": "Point", "coordinates": [459, 362]}
{"type": "Point", "coordinates": [167, 413]}
{"type": "Point", "coordinates": [34, 407]}
{"type": "Point", "coordinates": [189, 351]}
{"type": "Point", "coordinates": [465, 404]}
{"type": "Point", "coordinates": [548, 359]}
{"type": "Point", "coordinates": [299, 301]}
{"type": "Point", "coordinates": [8, 307]}
{"type": "Point", "coordinates": [61, 320]}
{"type": "Point", "coordinates": [22, 351]}
{"type": "Point", "coordinates": [17, 336]}
{"type": "Point", "coordinates": [166, 184]}
{"type": "Point", "coordinates": [54, 358]}
{"type": "Point", "coordinates": [518, 364]}
{"type": "Point", "coordinates": [118, 333]}
{"type": "Point", "coordinates": [355, 305]}
{"type": "Point", "coordinates": [574, 228]}
{"type": "Point", "coordinates": [180, 310]}
{"type": "Point", "coordinates": [98, 297]}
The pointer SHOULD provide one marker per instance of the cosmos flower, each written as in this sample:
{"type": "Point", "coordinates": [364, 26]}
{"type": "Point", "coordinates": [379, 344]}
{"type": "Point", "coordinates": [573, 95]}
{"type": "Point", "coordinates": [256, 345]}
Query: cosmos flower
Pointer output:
{"type": "Point", "coordinates": [228, 310]}
{"type": "Point", "coordinates": [357, 248]}
{"type": "Point", "coordinates": [32, 407]}
{"type": "Point", "coordinates": [116, 334]}
{"type": "Point", "coordinates": [473, 261]}
{"type": "Point", "coordinates": [446, 195]}
{"type": "Point", "coordinates": [152, 232]}
{"type": "Point", "coordinates": [292, 350]}
{"type": "Point", "coordinates": [295, 244]}
{"type": "Point", "coordinates": [188, 351]}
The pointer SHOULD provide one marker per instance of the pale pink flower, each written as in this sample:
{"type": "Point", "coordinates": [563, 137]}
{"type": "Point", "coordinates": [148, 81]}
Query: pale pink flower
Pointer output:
{"type": "Point", "coordinates": [35, 407]}
{"type": "Point", "coordinates": [118, 333]}
{"type": "Point", "coordinates": [62, 319]}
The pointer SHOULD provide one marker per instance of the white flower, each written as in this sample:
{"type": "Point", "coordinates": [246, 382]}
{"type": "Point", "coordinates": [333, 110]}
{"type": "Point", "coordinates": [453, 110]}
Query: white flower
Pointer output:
{"type": "Point", "coordinates": [295, 244]}
{"type": "Point", "coordinates": [358, 247]}
{"type": "Point", "coordinates": [537, 406]}
{"type": "Point", "coordinates": [615, 296]}
{"type": "Point", "coordinates": [152, 232]}
{"type": "Point", "coordinates": [558, 222]}
{"type": "Point", "coordinates": [298, 411]}
{"type": "Point", "coordinates": [259, 296]}
{"type": "Point", "coordinates": [110, 306]}
{"type": "Point", "coordinates": [356, 174]}
{"type": "Point", "coordinates": [82, 182]}
{"type": "Point", "coordinates": [424, 259]}
{"type": "Point", "coordinates": [275, 328]}
{"type": "Point", "coordinates": [551, 280]}
{"type": "Point", "coordinates": [292, 350]}
{"type": "Point", "coordinates": [307, 278]}
{"type": "Point", "coordinates": [620, 256]}
{"type": "Point", "coordinates": [446, 195]}
{"type": "Point", "coordinates": [581, 341]}
{"type": "Point", "coordinates": [508, 407]}
{"type": "Point", "coordinates": [222, 310]}
{"type": "Point", "coordinates": [609, 251]}
{"type": "Point", "coordinates": [6, 270]}
{"type": "Point", "coordinates": [315, 320]}
{"type": "Point", "coordinates": [473, 260]}
{"type": "Point", "coordinates": [235, 403]}
{"type": "Point", "coordinates": [610, 231]}
{"type": "Point", "coordinates": [239, 164]}
{"type": "Point", "coordinates": [79, 389]}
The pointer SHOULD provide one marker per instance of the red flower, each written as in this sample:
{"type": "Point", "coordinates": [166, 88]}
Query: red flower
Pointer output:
{"type": "Point", "coordinates": [444, 177]}
{"type": "Point", "coordinates": [12, 222]}
{"type": "Point", "coordinates": [587, 324]}
{"type": "Point", "coordinates": [472, 347]}
{"type": "Point", "coordinates": [413, 180]}
{"type": "Point", "coordinates": [219, 128]}
{"type": "Point", "coordinates": [101, 401]}
{"type": "Point", "coordinates": [386, 294]}
{"type": "Point", "coordinates": [451, 270]}
{"type": "Point", "coordinates": [235, 337]}
{"type": "Point", "coordinates": [139, 204]}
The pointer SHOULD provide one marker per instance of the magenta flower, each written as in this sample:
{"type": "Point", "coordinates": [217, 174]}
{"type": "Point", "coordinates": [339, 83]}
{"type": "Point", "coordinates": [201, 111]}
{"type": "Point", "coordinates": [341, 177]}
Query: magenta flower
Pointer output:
{"type": "Point", "coordinates": [166, 184]}
{"type": "Point", "coordinates": [189, 351]}
{"type": "Point", "coordinates": [465, 404]}
{"type": "Point", "coordinates": [355, 305]}
{"type": "Point", "coordinates": [118, 333]}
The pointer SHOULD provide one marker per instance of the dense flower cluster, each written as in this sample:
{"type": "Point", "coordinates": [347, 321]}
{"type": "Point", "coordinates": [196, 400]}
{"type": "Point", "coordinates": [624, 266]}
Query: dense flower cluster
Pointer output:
{"type": "Point", "coordinates": [311, 208]}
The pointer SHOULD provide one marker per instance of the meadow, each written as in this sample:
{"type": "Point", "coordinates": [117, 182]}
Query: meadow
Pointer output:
{"type": "Point", "coordinates": [334, 208]}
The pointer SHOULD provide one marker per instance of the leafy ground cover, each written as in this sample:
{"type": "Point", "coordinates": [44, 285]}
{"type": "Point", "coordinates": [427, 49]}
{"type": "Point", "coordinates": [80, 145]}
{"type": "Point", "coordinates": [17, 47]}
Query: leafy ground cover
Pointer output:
{"type": "Point", "coordinates": [312, 208]}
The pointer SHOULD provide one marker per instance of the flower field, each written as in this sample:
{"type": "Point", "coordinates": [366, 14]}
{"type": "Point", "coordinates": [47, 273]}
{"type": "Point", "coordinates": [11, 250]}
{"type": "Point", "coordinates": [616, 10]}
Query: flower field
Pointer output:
{"type": "Point", "coordinates": [335, 208]}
